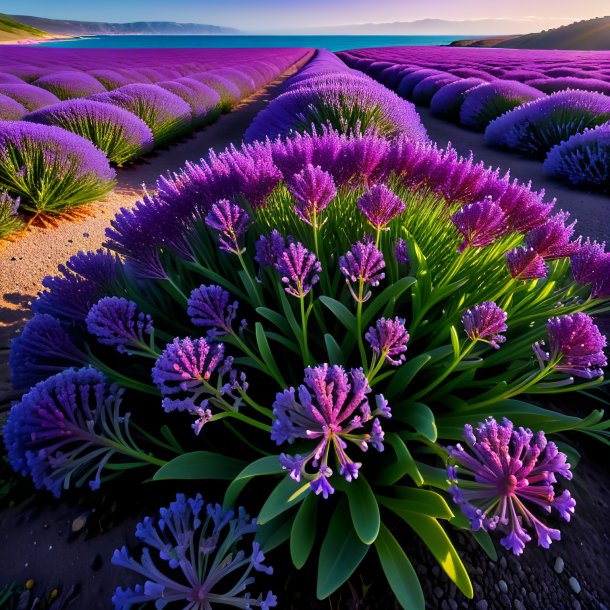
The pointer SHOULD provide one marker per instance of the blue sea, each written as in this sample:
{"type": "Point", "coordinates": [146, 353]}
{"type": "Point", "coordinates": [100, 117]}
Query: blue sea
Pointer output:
{"type": "Point", "coordinates": [332, 43]}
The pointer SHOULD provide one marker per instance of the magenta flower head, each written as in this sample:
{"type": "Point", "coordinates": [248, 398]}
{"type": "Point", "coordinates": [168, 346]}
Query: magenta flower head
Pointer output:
{"type": "Point", "coordinates": [380, 205]}
{"type": "Point", "coordinates": [299, 269]}
{"type": "Point", "coordinates": [485, 322]}
{"type": "Point", "coordinates": [231, 222]}
{"type": "Point", "coordinates": [313, 189]}
{"type": "Point", "coordinates": [401, 251]}
{"type": "Point", "coordinates": [499, 473]}
{"type": "Point", "coordinates": [117, 322]}
{"type": "Point", "coordinates": [195, 556]}
{"type": "Point", "coordinates": [552, 239]}
{"type": "Point", "coordinates": [601, 281]}
{"type": "Point", "coordinates": [576, 346]}
{"type": "Point", "coordinates": [269, 248]}
{"type": "Point", "coordinates": [480, 223]}
{"type": "Point", "coordinates": [388, 339]}
{"type": "Point", "coordinates": [331, 408]}
{"type": "Point", "coordinates": [585, 263]}
{"type": "Point", "coordinates": [211, 307]}
{"type": "Point", "coordinates": [525, 264]}
{"type": "Point", "coordinates": [363, 265]}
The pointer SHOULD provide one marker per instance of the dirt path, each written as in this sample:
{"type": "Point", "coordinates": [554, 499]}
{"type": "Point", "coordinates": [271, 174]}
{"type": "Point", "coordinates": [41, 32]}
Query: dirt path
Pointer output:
{"type": "Point", "coordinates": [26, 261]}
{"type": "Point", "coordinates": [591, 210]}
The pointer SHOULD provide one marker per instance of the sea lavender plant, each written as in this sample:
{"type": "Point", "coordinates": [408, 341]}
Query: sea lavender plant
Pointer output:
{"type": "Point", "coordinates": [9, 220]}
{"type": "Point", "coordinates": [199, 543]}
{"type": "Point", "coordinates": [503, 471]}
{"type": "Point", "coordinates": [51, 169]}
{"type": "Point", "coordinates": [70, 84]}
{"type": "Point", "coordinates": [119, 133]}
{"type": "Point", "coordinates": [485, 322]}
{"type": "Point", "coordinates": [480, 223]}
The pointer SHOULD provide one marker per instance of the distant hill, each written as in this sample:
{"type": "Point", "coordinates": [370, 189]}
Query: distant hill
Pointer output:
{"type": "Point", "coordinates": [84, 28]}
{"type": "Point", "coordinates": [588, 35]}
{"type": "Point", "coordinates": [12, 30]}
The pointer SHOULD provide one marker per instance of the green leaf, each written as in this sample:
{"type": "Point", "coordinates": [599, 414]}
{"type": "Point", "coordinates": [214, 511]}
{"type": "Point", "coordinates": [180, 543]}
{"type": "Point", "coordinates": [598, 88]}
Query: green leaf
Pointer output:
{"type": "Point", "coordinates": [335, 354]}
{"type": "Point", "coordinates": [264, 466]}
{"type": "Point", "coordinates": [393, 291]}
{"type": "Point", "coordinates": [200, 465]}
{"type": "Point", "coordinates": [265, 352]}
{"type": "Point", "coordinates": [420, 417]}
{"type": "Point", "coordinates": [286, 495]}
{"type": "Point", "coordinates": [275, 318]}
{"type": "Point", "coordinates": [341, 312]}
{"type": "Point", "coordinates": [437, 541]}
{"type": "Point", "coordinates": [399, 571]}
{"type": "Point", "coordinates": [289, 314]}
{"type": "Point", "coordinates": [433, 476]}
{"type": "Point", "coordinates": [303, 534]}
{"type": "Point", "coordinates": [405, 374]}
{"type": "Point", "coordinates": [404, 464]}
{"type": "Point", "coordinates": [363, 508]}
{"type": "Point", "coordinates": [415, 500]}
{"type": "Point", "coordinates": [341, 552]}
{"type": "Point", "coordinates": [573, 455]}
{"type": "Point", "coordinates": [272, 535]}
{"type": "Point", "coordinates": [455, 342]}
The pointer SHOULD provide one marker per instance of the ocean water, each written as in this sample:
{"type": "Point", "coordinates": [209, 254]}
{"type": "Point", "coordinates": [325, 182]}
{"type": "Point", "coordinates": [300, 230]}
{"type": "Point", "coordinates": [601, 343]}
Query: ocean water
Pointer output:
{"type": "Point", "coordinates": [332, 43]}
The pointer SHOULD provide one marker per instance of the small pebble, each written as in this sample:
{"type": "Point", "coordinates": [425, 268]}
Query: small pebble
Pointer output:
{"type": "Point", "coordinates": [503, 563]}
{"type": "Point", "coordinates": [558, 567]}
{"type": "Point", "coordinates": [577, 605]}
{"type": "Point", "coordinates": [453, 604]}
{"type": "Point", "coordinates": [503, 586]}
{"type": "Point", "coordinates": [85, 234]}
{"type": "Point", "coordinates": [518, 605]}
{"type": "Point", "coordinates": [482, 605]}
{"type": "Point", "coordinates": [438, 592]}
{"type": "Point", "coordinates": [574, 585]}
{"type": "Point", "coordinates": [79, 523]}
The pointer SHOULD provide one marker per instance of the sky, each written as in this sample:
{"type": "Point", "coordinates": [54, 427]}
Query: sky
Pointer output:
{"type": "Point", "coordinates": [286, 15]}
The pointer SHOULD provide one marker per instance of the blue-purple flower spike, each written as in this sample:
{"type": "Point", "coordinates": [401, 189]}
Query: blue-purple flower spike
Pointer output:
{"type": "Point", "coordinates": [299, 269]}
{"type": "Point", "coordinates": [388, 339]}
{"type": "Point", "coordinates": [207, 566]}
{"type": "Point", "coordinates": [231, 222]}
{"type": "Point", "coordinates": [480, 223]}
{"type": "Point", "coordinates": [525, 264]}
{"type": "Point", "coordinates": [312, 189]}
{"type": "Point", "coordinates": [269, 249]}
{"type": "Point", "coordinates": [362, 265]}
{"type": "Point", "coordinates": [401, 251]}
{"type": "Point", "coordinates": [485, 322]}
{"type": "Point", "coordinates": [380, 205]}
{"type": "Point", "coordinates": [211, 307]}
{"type": "Point", "coordinates": [331, 408]}
{"type": "Point", "coordinates": [501, 470]}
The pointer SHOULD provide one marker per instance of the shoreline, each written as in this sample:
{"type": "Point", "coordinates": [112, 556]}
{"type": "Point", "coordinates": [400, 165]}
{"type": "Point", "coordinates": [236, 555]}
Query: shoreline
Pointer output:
{"type": "Point", "coordinates": [29, 41]}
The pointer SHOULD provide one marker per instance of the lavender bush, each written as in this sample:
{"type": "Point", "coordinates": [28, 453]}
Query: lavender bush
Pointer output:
{"type": "Point", "coordinates": [30, 97]}
{"type": "Point", "coordinates": [119, 133]}
{"type": "Point", "coordinates": [448, 100]}
{"type": "Point", "coordinates": [426, 88]}
{"type": "Point", "coordinates": [552, 85]}
{"type": "Point", "coordinates": [167, 115]}
{"type": "Point", "coordinates": [9, 220]}
{"type": "Point", "coordinates": [229, 93]}
{"type": "Point", "coordinates": [10, 110]}
{"type": "Point", "coordinates": [70, 84]}
{"type": "Point", "coordinates": [50, 169]}
{"type": "Point", "coordinates": [535, 127]}
{"type": "Point", "coordinates": [327, 315]}
{"type": "Point", "coordinates": [203, 100]}
{"type": "Point", "coordinates": [583, 160]}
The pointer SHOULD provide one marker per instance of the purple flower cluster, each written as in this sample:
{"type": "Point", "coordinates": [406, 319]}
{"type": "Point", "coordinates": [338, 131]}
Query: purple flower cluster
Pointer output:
{"type": "Point", "coordinates": [380, 205]}
{"type": "Point", "coordinates": [312, 189]}
{"type": "Point", "coordinates": [591, 265]}
{"type": "Point", "coordinates": [576, 346]}
{"type": "Point", "coordinates": [10, 110]}
{"type": "Point", "coordinates": [388, 339]}
{"type": "Point", "coordinates": [30, 97]}
{"type": "Point", "coordinates": [211, 307]}
{"type": "Point", "coordinates": [485, 322]}
{"type": "Point", "coordinates": [70, 84]}
{"type": "Point", "coordinates": [499, 473]}
{"type": "Point", "coordinates": [331, 408]}
{"type": "Point", "coordinates": [202, 99]}
{"type": "Point", "coordinates": [299, 269]}
{"type": "Point", "coordinates": [480, 223]}
{"type": "Point", "coordinates": [231, 222]}
{"type": "Point", "coordinates": [362, 265]}
{"type": "Point", "coordinates": [201, 546]}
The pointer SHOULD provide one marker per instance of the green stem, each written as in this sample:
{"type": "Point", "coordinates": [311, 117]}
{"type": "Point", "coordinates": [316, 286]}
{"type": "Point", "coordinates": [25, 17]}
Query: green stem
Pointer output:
{"type": "Point", "coordinates": [304, 346]}
{"type": "Point", "coordinates": [359, 326]}
{"type": "Point", "coordinates": [247, 420]}
{"type": "Point", "coordinates": [253, 285]}
{"type": "Point", "coordinates": [263, 410]}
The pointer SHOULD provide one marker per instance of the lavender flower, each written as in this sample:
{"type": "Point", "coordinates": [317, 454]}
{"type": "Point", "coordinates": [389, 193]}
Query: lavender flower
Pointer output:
{"type": "Point", "coordinates": [601, 283]}
{"type": "Point", "coordinates": [480, 223]}
{"type": "Point", "coordinates": [60, 431]}
{"type": "Point", "coordinates": [552, 239]}
{"type": "Point", "coordinates": [401, 251]}
{"type": "Point", "coordinates": [43, 348]}
{"type": "Point", "coordinates": [68, 84]}
{"type": "Point", "coordinates": [269, 249]}
{"type": "Point", "coordinates": [9, 219]}
{"type": "Point", "coordinates": [331, 408]}
{"type": "Point", "coordinates": [299, 269]}
{"type": "Point", "coordinates": [587, 261]}
{"type": "Point", "coordinates": [231, 222]}
{"type": "Point", "coordinates": [362, 264]}
{"type": "Point", "coordinates": [389, 338]}
{"type": "Point", "coordinates": [117, 322]}
{"type": "Point", "coordinates": [210, 306]}
{"type": "Point", "coordinates": [485, 322]}
{"type": "Point", "coordinates": [505, 470]}
{"type": "Point", "coordinates": [525, 264]}
{"type": "Point", "coordinates": [205, 567]}
{"type": "Point", "coordinates": [576, 346]}
{"type": "Point", "coordinates": [380, 205]}
{"type": "Point", "coordinates": [313, 189]}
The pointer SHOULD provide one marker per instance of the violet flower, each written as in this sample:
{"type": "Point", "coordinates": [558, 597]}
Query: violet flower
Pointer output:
{"type": "Point", "coordinates": [401, 251]}
{"type": "Point", "coordinates": [231, 222]}
{"type": "Point", "coordinates": [363, 265]}
{"type": "Point", "coordinates": [485, 322]}
{"type": "Point", "coordinates": [117, 322]}
{"type": "Point", "coordinates": [480, 223]}
{"type": "Point", "coordinates": [552, 239]}
{"type": "Point", "coordinates": [269, 249]}
{"type": "Point", "coordinates": [313, 189]}
{"type": "Point", "coordinates": [388, 339]}
{"type": "Point", "coordinates": [601, 281]}
{"type": "Point", "coordinates": [380, 205]}
{"type": "Point", "coordinates": [525, 264]}
{"type": "Point", "coordinates": [499, 473]}
{"type": "Point", "coordinates": [206, 567]}
{"type": "Point", "coordinates": [210, 306]}
{"type": "Point", "coordinates": [299, 269]}
{"type": "Point", "coordinates": [576, 346]}
{"type": "Point", "coordinates": [332, 408]}
{"type": "Point", "coordinates": [586, 262]}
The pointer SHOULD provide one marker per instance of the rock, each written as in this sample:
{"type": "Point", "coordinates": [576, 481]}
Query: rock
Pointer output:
{"type": "Point", "coordinates": [444, 605]}
{"type": "Point", "coordinates": [503, 586]}
{"type": "Point", "coordinates": [453, 604]}
{"type": "Point", "coordinates": [503, 563]}
{"type": "Point", "coordinates": [482, 605]}
{"type": "Point", "coordinates": [577, 605]}
{"type": "Point", "coordinates": [438, 592]}
{"type": "Point", "coordinates": [531, 596]}
{"type": "Point", "coordinates": [96, 563]}
{"type": "Point", "coordinates": [79, 523]}
{"type": "Point", "coordinates": [436, 571]}
{"type": "Point", "coordinates": [574, 585]}
{"type": "Point", "coordinates": [519, 605]}
{"type": "Point", "coordinates": [559, 565]}
{"type": "Point", "coordinates": [505, 600]}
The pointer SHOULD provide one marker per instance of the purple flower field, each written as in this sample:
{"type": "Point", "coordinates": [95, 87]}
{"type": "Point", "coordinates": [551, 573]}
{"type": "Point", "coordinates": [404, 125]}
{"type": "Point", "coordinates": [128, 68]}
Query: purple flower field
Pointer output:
{"type": "Point", "coordinates": [332, 342]}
